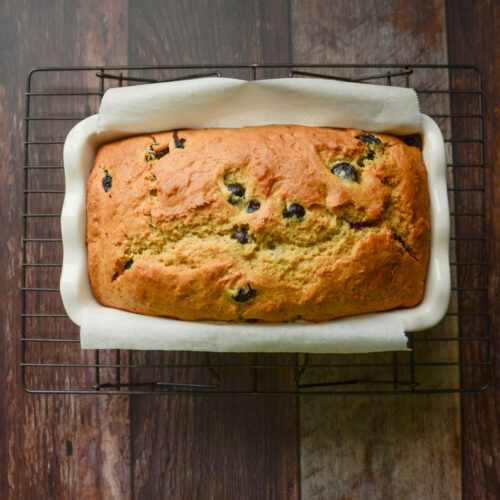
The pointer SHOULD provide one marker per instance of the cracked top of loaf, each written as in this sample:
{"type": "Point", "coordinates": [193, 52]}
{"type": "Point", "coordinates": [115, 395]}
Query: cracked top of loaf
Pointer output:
{"type": "Point", "coordinates": [270, 223]}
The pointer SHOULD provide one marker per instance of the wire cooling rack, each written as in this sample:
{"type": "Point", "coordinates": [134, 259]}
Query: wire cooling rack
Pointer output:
{"type": "Point", "coordinates": [452, 357]}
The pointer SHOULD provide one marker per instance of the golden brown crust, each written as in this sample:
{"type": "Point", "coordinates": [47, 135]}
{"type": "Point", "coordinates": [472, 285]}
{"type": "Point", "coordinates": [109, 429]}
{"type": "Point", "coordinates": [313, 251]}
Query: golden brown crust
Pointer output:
{"type": "Point", "coordinates": [167, 237]}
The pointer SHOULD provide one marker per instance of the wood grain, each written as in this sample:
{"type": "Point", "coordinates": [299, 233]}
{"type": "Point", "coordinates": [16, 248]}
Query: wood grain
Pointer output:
{"type": "Point", "coordinates": [209, 31]}
{"type": "Point", "coordinates": [481, 412]}
{"type": "Point", "coordinates": [51, 446]}
{"type": "Point", "coordinates": [365, 446]}
{"type": "Point", "coordinates": [222, 446]}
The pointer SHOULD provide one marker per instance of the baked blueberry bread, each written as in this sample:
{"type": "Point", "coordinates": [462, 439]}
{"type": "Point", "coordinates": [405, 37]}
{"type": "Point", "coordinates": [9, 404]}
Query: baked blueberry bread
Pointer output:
{"type": "Point", "coordinates": [268, 223]}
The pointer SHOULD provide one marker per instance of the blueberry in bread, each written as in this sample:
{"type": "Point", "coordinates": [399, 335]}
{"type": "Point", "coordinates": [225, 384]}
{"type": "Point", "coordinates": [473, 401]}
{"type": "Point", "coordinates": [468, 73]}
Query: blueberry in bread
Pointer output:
{"type": "Point", "coordinates": [260, 223]}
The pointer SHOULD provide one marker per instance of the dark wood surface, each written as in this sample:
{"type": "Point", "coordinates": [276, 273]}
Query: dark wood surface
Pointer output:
{"type": "Point", "coordinates": [248, 444]}
{"type": "Point", "coordinates": [481, 412]}
{"type": "Point", "coordinates": [239, 447]}
{"type": "Point", "coordinates": [357, 441]}
{"type": "Point", "coordinates": [52, 447]}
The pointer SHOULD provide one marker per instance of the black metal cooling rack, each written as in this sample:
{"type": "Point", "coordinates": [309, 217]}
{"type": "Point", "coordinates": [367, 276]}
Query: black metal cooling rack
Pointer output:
{"type": "Point", "coordinates": [452, 357]}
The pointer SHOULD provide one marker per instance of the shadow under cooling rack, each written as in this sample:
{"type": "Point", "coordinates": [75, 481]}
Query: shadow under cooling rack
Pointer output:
{"type": "Point", "coordinates": [452, 357]}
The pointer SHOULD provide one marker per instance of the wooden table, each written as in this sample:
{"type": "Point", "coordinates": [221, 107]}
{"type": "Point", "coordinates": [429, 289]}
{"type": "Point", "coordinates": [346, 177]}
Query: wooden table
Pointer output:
{"type": "Point", "coordinates": [65, 447]}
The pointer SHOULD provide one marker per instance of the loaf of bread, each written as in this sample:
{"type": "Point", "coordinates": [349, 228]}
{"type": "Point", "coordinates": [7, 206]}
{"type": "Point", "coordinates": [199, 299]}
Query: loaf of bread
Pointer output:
{"type": "Point", "coordinates": [270, 223]}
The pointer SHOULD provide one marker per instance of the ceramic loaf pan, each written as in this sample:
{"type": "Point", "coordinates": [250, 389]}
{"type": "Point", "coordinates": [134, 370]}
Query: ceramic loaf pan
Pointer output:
{"type": "Point", "coordinates": [79, 151]}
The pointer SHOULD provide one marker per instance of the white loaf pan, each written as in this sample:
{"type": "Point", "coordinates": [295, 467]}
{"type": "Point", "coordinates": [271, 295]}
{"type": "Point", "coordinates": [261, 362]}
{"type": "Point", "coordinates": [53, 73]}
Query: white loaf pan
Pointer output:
{"type": "Point", "coordinates": [79, 151]}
